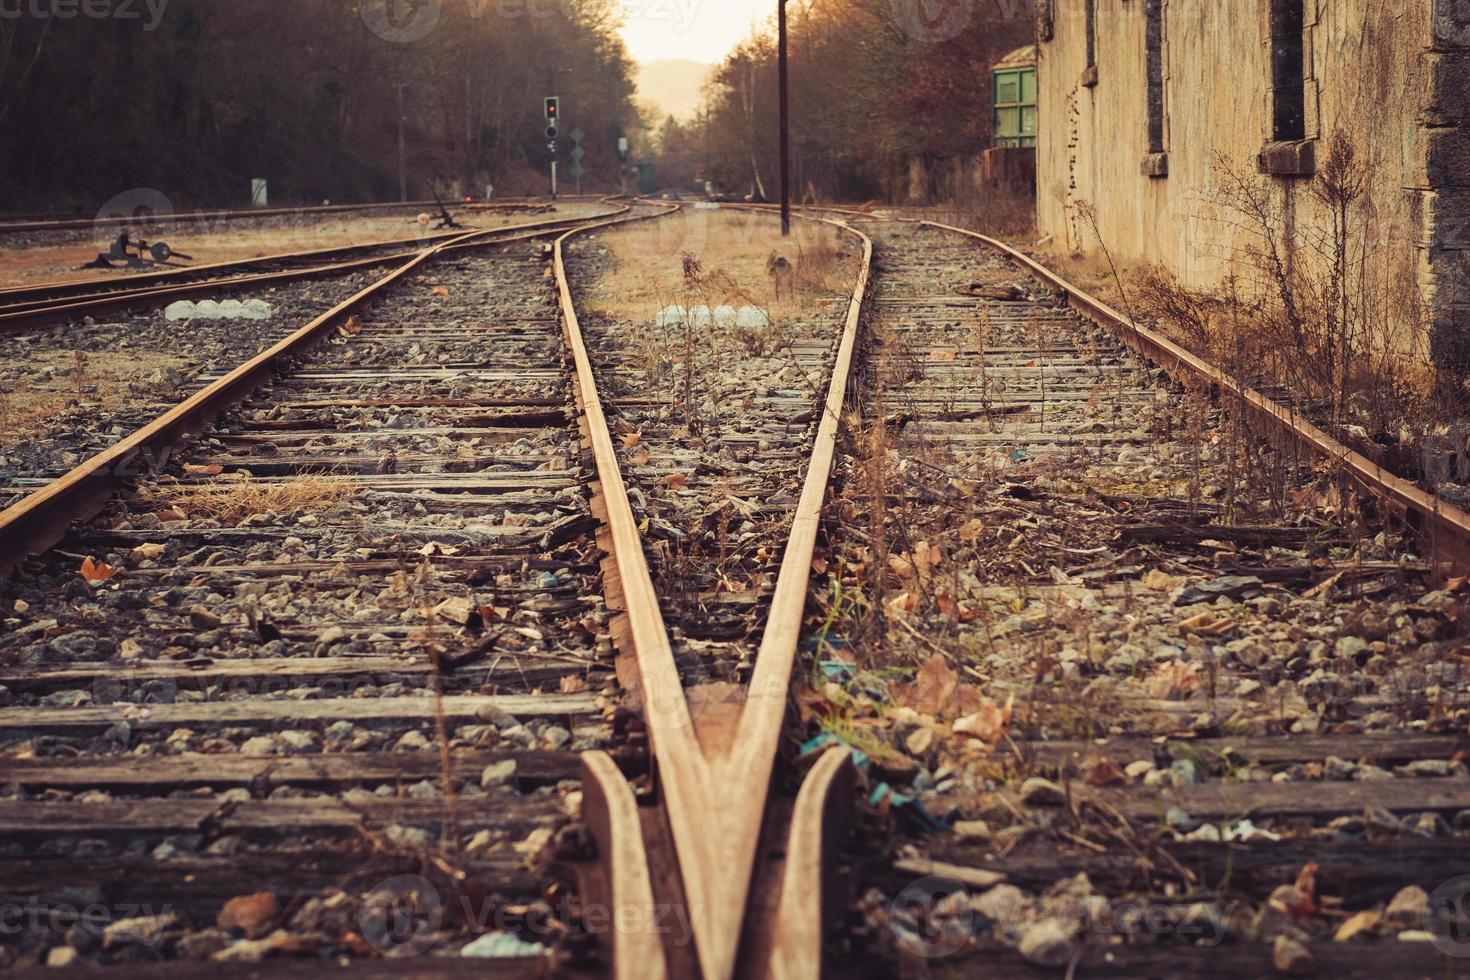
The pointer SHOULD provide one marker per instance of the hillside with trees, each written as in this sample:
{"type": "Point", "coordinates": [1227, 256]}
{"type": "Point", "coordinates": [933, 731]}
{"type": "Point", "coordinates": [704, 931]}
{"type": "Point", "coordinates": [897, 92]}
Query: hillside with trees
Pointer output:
{"type": "Point", "coordinates": [304, 94]}
{"type": "Point", "coordinates": [868, 97]}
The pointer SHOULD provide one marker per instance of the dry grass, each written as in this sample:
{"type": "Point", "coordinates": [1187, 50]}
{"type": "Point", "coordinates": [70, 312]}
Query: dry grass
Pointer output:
{"type": "Point", "coordinates": [90, 381]}
{"type": "Point", "coordinates": [231, 501]}
{"type": "Point", "coordinates": [734, 250]}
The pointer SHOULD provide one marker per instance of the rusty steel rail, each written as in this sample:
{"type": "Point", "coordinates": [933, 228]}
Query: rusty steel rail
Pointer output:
{"type": "Point", "coordinates": [181, 217]}
{"type": "Point", "coordinates": [714, 776]}
{"type": "Point", "coordinates": [42, 519]}
{"type": "Point", "coordinates": [36, 306]}
{"type": "Point", "coordinates": [1444, 527]}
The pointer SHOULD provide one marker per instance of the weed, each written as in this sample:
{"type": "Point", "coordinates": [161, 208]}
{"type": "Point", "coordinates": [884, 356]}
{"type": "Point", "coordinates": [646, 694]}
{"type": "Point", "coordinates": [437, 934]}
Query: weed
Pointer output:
{"type": "Point", "coordinates": [231, 501]}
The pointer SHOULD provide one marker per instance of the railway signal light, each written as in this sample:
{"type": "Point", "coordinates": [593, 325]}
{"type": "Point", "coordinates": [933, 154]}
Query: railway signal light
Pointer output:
{"type": "Point", "coordinates": [553, 109]}
{"type": "Point", "coordinates": [552, 132]}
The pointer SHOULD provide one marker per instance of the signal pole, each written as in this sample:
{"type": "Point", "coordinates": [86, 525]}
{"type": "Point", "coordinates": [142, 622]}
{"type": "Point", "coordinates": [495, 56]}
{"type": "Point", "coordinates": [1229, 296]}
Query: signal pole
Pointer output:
{"type": "Point", "coordinates": [553, 117]}
{"type": "Point", "coordinates": [785, 126]}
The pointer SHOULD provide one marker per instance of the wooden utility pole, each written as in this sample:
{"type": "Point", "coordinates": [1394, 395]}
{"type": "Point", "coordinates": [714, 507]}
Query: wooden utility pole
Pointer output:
{"type": "Point", "coordinates": [402, 155]}
{"type": "Point", "coordinates": [785, 126]}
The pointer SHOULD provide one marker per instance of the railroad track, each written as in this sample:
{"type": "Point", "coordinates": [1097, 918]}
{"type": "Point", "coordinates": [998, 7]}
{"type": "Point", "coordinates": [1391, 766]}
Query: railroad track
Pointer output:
{"type": "Point", "coordinates": [500, 544]}
{"type": "Point", "coordinates": [1153, 641]}
{"type": "Point", "coordinates": [28, 307]}
{"type": "Point", "coordinates": [42, 223]}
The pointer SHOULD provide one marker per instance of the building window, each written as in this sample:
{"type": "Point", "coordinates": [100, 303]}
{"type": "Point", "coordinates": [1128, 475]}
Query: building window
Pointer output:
{"type": "Point", "coordinates": [1015, 106]}
{"type": "Point", "coordinates": [1288, 70]}
{"type": "Point", "coordinates": [1089, 74]}
{"type": "Point", "coordinates": [1154, 41]}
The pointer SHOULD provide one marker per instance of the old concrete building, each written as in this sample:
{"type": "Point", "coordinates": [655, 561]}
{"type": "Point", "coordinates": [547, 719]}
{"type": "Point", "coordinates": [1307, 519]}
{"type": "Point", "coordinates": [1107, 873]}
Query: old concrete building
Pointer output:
{"type": "Point", "coordinates": [1169, 122]}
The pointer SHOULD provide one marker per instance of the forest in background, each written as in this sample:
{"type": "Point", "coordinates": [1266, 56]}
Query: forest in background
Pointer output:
{"type": "Point", "coordinates": [868, 94]}
{"type": "Point", "coordinates": [303, 93]}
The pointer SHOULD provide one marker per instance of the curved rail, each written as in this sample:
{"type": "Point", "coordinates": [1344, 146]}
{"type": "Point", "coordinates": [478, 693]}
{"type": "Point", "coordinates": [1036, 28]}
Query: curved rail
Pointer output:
{"type": "Point", "coordinates": [1444, 526]}
{"type": "Point", "coordinates": [715, 780]}
{"type": "Point", "coordinates": [43, 518]}
{"type": "Point", "coordinates": [35, 306]}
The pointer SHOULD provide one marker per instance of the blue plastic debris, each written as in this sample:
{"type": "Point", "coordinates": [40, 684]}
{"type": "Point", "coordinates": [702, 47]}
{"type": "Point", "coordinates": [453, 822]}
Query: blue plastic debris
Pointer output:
{"type": "Point", "coordinates": [837, 670]}
{"type": "Point", "coordinates": [827, 740]}
{"type": "Point", "coordinates": [1020, 456]}
{"type": "Point", "coordinates": [814, 642]}
{"type": "Point", "coordinates": [907, 808]}
{"type": "Point", "coordinates": [549, 580]}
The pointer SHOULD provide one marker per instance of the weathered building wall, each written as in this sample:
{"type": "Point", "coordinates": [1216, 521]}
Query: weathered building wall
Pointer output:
{"type": "Point", "coordinates": [1390, 74]}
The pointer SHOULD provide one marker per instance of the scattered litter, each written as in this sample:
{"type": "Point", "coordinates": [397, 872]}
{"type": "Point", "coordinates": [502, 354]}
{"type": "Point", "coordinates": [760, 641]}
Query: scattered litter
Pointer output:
{"type": "Point", "coordinates": [1245, 831]}
{"type": "Point", "coordinates": [908, 808]}
{"type": "Point", "coordinates": [827, 740]}
{"type": "Point", "coordinates": [502, 946]}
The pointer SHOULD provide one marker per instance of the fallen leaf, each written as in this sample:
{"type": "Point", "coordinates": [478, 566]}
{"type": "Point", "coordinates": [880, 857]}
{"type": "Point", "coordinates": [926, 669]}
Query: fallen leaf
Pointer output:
{"type": "Point", "coordinates": [573, 684]}
{"type": "Point", "coordinates": [1364, 923]}
{"type": "Point", "coordinates": [1159, 581]}
{"type": "Point", "coordinates": [677, 481]}
{"type": "Point", "coordinates": [253, 915]}
{"type": "Point", "coordinates": [196, 469]}
{"type": "Point", "coordinates": [632, 439]}
{"type": "Point", "coordinates": [989, 724]}
{"type": "Point", "coordinates": [95, 571]}
{"type": "Point", "coordinates": [352, 327]}
{"type": "Point", "coordinates": [151, 552]}
{"type": "Point", "coordinates": [904, 602]}
{"type": "Point", "coordinates": [1104, 772]}
{"type": "Point", "coordinates": [972, 530]}
{"type": "Point", "coordinates": [1206, 624]}
{"type": "Point", "coordinates": [934, 687]}
{"type": "Point", "coordinates": [441, 290]}
{"type": "Point", "coordinates": [642, 459]}
{"type": "Point", "coordinates": [944, 355]}
{"type": "Point", "coordinates": [1173, 681]}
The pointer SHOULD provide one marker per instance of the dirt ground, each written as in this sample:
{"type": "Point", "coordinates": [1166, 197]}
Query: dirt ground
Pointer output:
{"type": "Point", "coordinates": [58, 381]}
{"type": "Point", "coordinates": [734, 251]}
{"type": "Point", "coordinates": [58, 257]}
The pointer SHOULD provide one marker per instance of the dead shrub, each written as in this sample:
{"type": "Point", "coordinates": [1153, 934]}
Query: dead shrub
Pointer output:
{"type": "Point", "coordinates": [231, 501]}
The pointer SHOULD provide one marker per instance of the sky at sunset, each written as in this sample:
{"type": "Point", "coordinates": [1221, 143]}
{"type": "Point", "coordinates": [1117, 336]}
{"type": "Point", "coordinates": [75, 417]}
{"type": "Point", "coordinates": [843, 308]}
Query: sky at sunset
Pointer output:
{"type": "Point", "coordinates": [699, 30]}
